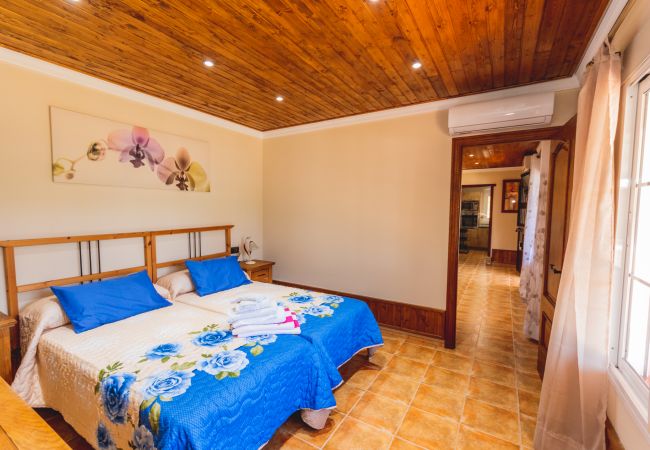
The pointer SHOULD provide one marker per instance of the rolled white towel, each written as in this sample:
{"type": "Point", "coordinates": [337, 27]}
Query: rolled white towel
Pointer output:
{"type": "Point", "coordinates": [292, 331]}
{"type": "Point", "coordinates": [250, 304]}
{"type": "Point", "coordinates": [278, 317]}
{"type": "Point", "coordinates": [252, 315]}
{"type": "Point", "coordinates": [263, 329]}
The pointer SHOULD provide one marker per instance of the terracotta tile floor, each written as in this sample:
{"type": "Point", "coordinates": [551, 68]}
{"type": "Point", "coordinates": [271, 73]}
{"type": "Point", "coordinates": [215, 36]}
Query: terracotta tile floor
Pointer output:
{"type": "Point", "coordinates": [415, 394]}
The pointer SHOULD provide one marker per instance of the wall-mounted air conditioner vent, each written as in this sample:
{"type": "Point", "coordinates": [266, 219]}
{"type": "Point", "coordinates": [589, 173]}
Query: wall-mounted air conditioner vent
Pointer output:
{"type": "Point", "coordinates": [503, 114]}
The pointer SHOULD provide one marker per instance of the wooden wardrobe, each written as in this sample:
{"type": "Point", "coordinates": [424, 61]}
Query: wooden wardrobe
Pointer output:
{"type": "Point", "coordinates": [557, 229]}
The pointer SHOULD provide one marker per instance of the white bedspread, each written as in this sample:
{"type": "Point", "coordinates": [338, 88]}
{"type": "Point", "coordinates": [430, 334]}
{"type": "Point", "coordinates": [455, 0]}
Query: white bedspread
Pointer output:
{"type": "Point", "coordinates": [60, 368]}
{"type": "Point", "coordinates": [221, 301]}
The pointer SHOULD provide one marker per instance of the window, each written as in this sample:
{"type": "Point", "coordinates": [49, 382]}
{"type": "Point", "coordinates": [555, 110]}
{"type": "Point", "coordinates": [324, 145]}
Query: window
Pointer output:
{"type": "Point", "coordinates": [634, 344]}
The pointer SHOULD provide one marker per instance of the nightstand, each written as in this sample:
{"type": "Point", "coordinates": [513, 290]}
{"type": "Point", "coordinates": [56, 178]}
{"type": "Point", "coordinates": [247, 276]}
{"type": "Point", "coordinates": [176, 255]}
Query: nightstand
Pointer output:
{"type": "Point", "coordinates": [260, 271]}
{"type": "Point", "coordinates": [6, 324]}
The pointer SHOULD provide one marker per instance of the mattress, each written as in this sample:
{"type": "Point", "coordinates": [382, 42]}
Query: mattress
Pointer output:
{"type": "Point", "coordinates": [173, 379]}
{"type": "Point", "coordinates": [338, 327]}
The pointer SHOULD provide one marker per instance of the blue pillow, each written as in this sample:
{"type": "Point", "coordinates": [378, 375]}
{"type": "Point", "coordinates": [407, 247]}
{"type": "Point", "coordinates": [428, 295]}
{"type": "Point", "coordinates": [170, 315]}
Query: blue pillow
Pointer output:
{"type": "Point", "coordinates": [92, 305]}
{"type": "Point", "coordinates": [216, 275]}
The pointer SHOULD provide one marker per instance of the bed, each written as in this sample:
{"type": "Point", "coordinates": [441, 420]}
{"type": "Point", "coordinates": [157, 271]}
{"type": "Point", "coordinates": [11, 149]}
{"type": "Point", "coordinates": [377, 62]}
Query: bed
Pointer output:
{"type": "Point", "coordinates": [338, 327]}
{"type": "Point", "coordinates": [174, 378]}
{"type": "Point", "coordinates": [170, 378]}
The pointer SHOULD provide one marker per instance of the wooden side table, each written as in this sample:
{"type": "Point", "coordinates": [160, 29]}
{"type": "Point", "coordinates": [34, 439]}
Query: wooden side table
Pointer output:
{"type": "Point", "coordinates": [259, 271]}
{"type": "Point", "coordinates": [20, 426]}
{"type": "Point", "coordinates": [6, 324]}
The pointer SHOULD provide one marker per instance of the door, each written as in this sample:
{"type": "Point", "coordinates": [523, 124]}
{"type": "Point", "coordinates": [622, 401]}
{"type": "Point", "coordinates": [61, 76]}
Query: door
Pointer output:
{"type": "Point", "coordinates": [557, 228]}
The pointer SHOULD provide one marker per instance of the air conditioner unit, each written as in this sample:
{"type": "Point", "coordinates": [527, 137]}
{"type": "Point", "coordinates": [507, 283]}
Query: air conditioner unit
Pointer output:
{"type": "Point", "coordinates": [501, 115]}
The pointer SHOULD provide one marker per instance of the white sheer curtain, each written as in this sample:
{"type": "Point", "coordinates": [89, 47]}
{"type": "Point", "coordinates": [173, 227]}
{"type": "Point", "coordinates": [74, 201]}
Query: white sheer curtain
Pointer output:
{"type": "Point", "coordinates": [573, 401]}
{"type": "Point", "coordinates": [532, 267]}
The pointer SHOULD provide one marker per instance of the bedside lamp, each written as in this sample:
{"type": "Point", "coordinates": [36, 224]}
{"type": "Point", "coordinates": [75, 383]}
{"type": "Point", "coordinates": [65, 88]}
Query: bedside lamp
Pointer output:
{"type": "Point", "coordinates": [246, 249]}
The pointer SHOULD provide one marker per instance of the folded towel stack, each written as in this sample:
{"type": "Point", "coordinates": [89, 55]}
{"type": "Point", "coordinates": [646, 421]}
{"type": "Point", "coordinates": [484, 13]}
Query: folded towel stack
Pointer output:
{"type": "Point", "coordinates": [253, 316]}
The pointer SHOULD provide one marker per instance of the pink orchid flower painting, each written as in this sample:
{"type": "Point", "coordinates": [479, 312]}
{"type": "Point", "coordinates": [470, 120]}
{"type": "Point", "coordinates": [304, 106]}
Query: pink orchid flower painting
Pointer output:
{"type": "Point", "coordinates": [136, 146]}
{"type": "Point", "coordinates": [92, 150]}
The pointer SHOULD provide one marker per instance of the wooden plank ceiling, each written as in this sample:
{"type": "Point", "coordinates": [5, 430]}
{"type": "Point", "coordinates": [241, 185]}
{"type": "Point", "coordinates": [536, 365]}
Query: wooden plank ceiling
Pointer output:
{"type": "Point", "coordinates": [327, 58]}
{"type": "Point", "coordinates": [497, 155]}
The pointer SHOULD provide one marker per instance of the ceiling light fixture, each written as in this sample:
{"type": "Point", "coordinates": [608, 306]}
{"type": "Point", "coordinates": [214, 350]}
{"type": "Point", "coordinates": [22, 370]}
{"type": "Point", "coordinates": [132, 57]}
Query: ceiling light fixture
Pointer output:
{"type": "Point", "coordinates": [416, 65]}
{"type": "Point", "coordinates": [471, 155]}
{"type": "Point", "coordinates": [208, 63]}
{"type": "Point", "coordinates": [279, 98]}
{"type": "Point", "coordinates": [476, 163]}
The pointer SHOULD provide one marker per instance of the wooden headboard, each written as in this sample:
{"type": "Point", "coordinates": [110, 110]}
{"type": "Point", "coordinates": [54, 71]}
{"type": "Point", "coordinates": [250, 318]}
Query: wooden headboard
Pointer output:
{"type": "Point", "coordinates": [151, 264]}
{"type": "Point", "coordinates": [193, 246]}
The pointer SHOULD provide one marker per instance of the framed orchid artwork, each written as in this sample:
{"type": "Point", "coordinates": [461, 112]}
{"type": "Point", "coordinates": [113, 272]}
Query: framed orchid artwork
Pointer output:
{"type": "Point", "coordinates": [92, 150]}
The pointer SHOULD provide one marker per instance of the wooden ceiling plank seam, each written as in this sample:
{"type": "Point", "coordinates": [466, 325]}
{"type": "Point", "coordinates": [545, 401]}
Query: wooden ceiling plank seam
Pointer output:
{"type": "Point", "coordinates": [444, 32]}
{"type": "Point", "coordinates": [338, 99]}
{"type": "Point", "coordinates": [433, 60]}
{"type": "Point", "coordinates": [477, 13]}
{"type": "Point", "coordinates": [460, 26]}
{"type": "Point", "coordinates": [367, 21]}
{"type": "Point", "coordinates": [428, 35]}
{"type": "Point", "coordinates": [371, 23]}
{"type": "Point", "coordinates": [532, 23]}
{"type": "Point", "coordinates": [357, 65]}
{"type": "Point", "coordinates": [352, 63]}
{"type": "Point", "coordinates": [496, 38]}
{"type": "Point", "coordinates": [355, 27]}
{"type": "Point", "coordinates": [268, 96]}
{"type": "Point", "coordinates": [476, 34]}
{"type": "Point", "coordinates": [570, 25]}
{"type": "Point", "coordinates": [60, 55]}
{"type": "Point", "coordinates": [403, 45]}
{"type": "Point", "coordinates": [367, 18]}
{"type": "Point", "coordinates": [576, 50]}
{"type": "Point", "coordinates": [514, 26]}
{"type": "Point", "coordinates": [551, 19]}
{"type": "Point", "coordinates": [321, 69]}
{"type": "Point", "coordinates": [229, 53]}
{"type": "Point", "coordinates": [135, 61]}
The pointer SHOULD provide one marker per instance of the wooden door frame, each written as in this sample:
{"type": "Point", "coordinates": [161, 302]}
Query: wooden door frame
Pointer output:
{"type": "Point", "coordinates": [536, 134]}
{"type": "Point", "coordinates": [491, 186]}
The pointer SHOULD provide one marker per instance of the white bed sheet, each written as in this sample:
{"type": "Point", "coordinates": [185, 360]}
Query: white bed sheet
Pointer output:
{"type": "Point", "coordinates": [69, 363]}
{"type": "Point", "coordinates": [220, 302]}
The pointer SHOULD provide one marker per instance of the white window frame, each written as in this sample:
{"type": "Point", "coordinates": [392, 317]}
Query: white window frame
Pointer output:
{"type": "Point", "coordinates": [625, 378]}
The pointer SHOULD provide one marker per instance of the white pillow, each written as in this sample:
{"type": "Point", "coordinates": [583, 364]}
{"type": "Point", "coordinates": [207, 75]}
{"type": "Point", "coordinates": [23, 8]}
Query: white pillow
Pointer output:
{"type": "Point", "coordinates": [176, 283]}
{"type": "Point", "coordinates": [43, 314]}
{"type": "Point", "coordinates": [163, 292]}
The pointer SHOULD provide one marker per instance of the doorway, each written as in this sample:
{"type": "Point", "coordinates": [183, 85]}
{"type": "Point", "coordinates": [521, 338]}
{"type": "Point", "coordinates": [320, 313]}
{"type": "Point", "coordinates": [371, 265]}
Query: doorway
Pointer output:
{"type": "Point", "coordinates": [503, 196]}
{"type": "Point", "coordinates": [476, 213]}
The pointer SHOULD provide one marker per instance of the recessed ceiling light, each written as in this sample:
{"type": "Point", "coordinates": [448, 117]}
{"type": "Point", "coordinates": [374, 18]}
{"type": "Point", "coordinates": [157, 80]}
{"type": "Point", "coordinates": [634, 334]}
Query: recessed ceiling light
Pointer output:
{"type": "Point", "coordinates": [208, 63]}
{"type": "Point", "coordinates": [416, 65]}
{"type": "Point", "coordinates": [279, 98]}
{"type": "Point", "coordinates": [471, 155]}
{"type": "Point", "coordinates": [476, 163]}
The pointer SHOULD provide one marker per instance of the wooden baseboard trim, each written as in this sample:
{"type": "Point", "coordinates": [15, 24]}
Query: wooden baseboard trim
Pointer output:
{"type": "Point", "coordinates": [412, 318]}
{"type": "Point", "coordinates": [504, 256]}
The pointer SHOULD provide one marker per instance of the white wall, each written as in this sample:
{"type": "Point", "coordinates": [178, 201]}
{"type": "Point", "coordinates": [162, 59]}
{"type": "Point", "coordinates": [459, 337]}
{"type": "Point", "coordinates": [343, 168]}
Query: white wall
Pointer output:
{"type": "Point", "coordinates": [364, 208]}
{"type": "Point", "coordinates": [31, 205]}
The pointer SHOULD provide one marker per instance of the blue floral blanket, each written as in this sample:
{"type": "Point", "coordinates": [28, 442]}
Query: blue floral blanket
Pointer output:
{"type": "Point", "coordinates": [337, 327]}
{"type": "Point", "coordinates": [205, 389]}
